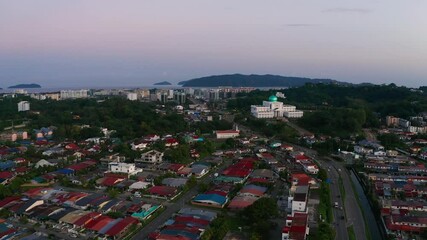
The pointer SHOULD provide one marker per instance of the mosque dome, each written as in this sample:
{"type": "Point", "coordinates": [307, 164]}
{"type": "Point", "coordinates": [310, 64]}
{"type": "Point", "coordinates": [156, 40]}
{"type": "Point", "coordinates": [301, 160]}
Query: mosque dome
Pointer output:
{"type": "Point", "coordinates": [272, 98]}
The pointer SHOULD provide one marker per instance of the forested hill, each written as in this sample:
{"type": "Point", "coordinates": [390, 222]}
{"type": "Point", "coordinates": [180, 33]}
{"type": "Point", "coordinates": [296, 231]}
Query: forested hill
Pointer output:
{"type": "Point", "coordinates": [240, 80]}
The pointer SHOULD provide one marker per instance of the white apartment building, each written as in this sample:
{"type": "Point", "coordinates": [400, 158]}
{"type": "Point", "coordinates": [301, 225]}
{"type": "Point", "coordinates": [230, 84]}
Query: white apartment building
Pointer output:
{"type": "Point", "coordinates": [273, 109]}
{"type": "Point", "coordinates": [120, 167]}
{"type": "Point", "coordinates": [298, 200]}
{"type": "Point", "coordinates": [152, 156]}
{"type": "Point", "coordinates": [132, 96]}
{"type": "Point", "coordinates": [23, 106]}
{"type": "Point", "coordinates": [73, 94]}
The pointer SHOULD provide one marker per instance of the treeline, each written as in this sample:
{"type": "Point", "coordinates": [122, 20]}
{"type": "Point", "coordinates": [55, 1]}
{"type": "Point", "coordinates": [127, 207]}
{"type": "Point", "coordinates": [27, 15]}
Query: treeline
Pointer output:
{"type": "Point", "coordinates": [336, 122]}
{"type": "Point", "coordinates": [340, 110]}
{"type": "Point", "coordinates": [383, 99]}
{"type": "Point", "coordinates": [130, 119]}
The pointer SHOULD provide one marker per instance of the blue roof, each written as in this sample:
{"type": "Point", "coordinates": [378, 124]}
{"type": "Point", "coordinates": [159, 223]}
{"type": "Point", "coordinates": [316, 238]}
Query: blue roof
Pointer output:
{"type": "Point", "coordinates": [64, 171]}
{"type": "Point", "coordinates": [180, 233]}
{"type": "Point", "coordinates": [7, 165]}
{"type": "Point", "coordinates": [211, 197]}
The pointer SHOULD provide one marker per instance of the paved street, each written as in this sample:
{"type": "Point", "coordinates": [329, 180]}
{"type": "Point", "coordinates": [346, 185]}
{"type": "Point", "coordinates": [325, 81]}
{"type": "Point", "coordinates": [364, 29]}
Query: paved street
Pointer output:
{"type": "Point", "coordinates": [353, 211]}
{"type": "Point", "coordinates": [339, 224]}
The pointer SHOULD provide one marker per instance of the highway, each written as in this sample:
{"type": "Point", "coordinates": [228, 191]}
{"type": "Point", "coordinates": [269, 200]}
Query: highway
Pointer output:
{"type": "Point", "coordinates": [353, 213]}
{"type": "Point", "coordinates": [339, 224]}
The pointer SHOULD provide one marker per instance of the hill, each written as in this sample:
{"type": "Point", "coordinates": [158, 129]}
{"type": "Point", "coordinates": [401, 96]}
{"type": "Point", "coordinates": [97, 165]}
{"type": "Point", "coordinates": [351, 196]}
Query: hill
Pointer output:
{"type": "Point", "coordinates": [163, 83]}
{"type": "Point", "coordinates": [31, 85]}
{"type": "Point", "coordinates": [240, 80]}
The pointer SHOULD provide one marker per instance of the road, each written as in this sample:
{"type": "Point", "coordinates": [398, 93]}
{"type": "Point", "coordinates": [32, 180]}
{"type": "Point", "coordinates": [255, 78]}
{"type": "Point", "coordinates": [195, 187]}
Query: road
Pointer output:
{"type": "Point", "coordinates": [340, 226]}
{"type": "Point", "coordinates": [353, 213]}
{"type": "Point", "coordinates": [174, 207]}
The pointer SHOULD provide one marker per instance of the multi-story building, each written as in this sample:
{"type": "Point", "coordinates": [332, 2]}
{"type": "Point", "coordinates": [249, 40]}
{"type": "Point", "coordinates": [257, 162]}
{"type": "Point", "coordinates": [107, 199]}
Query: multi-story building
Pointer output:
{"type": "Point", "coordinates": [392, 121]}
{"type": "Point", "coordinates": [152, 156]}
{"type": "Point", "coordinates": [120, 167]}
{"type": "Point", "coordinates": [180, 97]}
{"type": "Point", "coordinates": [299, 198]}
{"type": "Point", "coordinates": [23, 106]}
{"type": "Point", "coordinates": [73, 94]}
{"type": "Point", "coordinates": [273, 109]}
{"type": "Point", "coordinates": [132, 96]}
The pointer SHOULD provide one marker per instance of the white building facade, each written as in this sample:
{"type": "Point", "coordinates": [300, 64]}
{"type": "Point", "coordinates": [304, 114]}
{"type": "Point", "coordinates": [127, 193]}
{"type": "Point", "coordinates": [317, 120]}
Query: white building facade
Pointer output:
{"type": "Point", "coordinates": [273, 109]}
{"type": "Point", "coordinates": [120, 167]}
{"type": "Point", "coordinates": [73, 94]}
{"type": "Point", "coordinates": [23, 106]}
{"type": "Point", "coordinates": [152, 156]}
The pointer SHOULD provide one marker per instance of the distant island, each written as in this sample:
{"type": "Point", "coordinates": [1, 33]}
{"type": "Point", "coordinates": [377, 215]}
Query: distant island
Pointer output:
{"type": "Point", "coordinates": [240, 80]}
{"type": "Point", "coordinates": [31, 85]}
{"type": "Point", "coordinates": [163, 83]}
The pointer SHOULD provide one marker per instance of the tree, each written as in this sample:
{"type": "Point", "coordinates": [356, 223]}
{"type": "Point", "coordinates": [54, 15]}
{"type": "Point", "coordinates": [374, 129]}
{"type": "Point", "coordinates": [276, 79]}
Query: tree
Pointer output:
{"type": "Point", "coordinates": [325, 232]}
{"type": "Point", "coordinates": [322, 175]}
{"type": "Point", "coordinates": [262, 209]}
{"type": "Point", "coordinates": [113, 193]}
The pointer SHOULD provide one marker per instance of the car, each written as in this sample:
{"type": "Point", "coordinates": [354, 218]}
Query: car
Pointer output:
{"type": "Point", "coordinates": [342, 217]}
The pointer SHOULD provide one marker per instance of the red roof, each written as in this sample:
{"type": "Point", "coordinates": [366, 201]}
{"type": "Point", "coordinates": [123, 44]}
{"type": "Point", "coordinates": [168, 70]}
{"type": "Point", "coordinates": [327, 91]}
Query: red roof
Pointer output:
{"type": "Point", "coordinates": [162, 190]}
{"type": "Point", "coordinates": [301, 157]}
{"type": "Point", "coordinates": [171, 140]}
{"type": "Point", "coordinates": [258, 180]}
{"type": "Point", "coordinates": [8, 200]}
{"type": "Point", "coordinates": [302, 178]}
{"type": "Point", "coordinates": [99, 223]}
{"type": "Point", "coordinates": [82, 165]}
{"type": "Point", "coordinates": [176, 167]}
{"type": "Point", "coordinates": [7, 232]}
{"type": "Point", "coordinates": [159, 236]}
{"type": "Point", "coordinates": [241, 202]}
{"type": "Point", "coordinates": [87, 219]}
{"type": "Point", "coordinates": [72, 146]}
{"type": "Point", "coordinates": [189, 219]}
{"type": "Point", "coordinates": [6, 175]}
{"type": "Point", "coordinates": [183, 227]}
{"type": "Point", "coordinates": [134, 208]}
{"type": "Point", "coordinates": [21, 170]}
{"type": "Point", "coordinates": [111, 181]}
{"type": "Point", "coordinates": [120, 226]}
{"type": "Point", "coordinates": [236, 172]}
{"type": "Point", "coordinates": [34, 191]}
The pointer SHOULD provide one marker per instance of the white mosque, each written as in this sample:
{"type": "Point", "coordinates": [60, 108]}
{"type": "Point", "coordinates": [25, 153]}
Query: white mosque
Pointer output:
{"type": "Point", "coordinates": [274, 109]}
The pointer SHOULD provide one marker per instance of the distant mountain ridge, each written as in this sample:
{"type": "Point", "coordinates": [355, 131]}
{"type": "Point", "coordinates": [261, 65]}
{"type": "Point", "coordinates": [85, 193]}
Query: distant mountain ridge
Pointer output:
{"type": "Point", "coordinates": [163, 83]}
{"type": "Point", "coordinates": [31, 85]}
{"type": "Point", "coordinates": [240, 80]}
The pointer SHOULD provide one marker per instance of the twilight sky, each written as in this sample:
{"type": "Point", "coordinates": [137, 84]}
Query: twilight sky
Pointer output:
{"type": "Point", "coordinates": [63, 43]}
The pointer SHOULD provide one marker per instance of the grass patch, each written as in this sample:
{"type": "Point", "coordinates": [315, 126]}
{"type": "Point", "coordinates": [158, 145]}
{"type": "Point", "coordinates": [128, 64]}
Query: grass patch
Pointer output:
{"type": "Point", "coordinates": [325, 205]}
{"type": "Point", "coordinates": [342, 192]}
{"type": "Point", "coordinates": [351, 234]}
{"type": "Point", "coordinates": [342, 189]}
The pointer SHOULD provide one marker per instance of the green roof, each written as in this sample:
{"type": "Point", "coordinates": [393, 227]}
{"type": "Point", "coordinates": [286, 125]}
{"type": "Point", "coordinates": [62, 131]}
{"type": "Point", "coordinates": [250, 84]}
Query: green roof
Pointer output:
{"type": "Point", "coordinates": [272, 98]}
